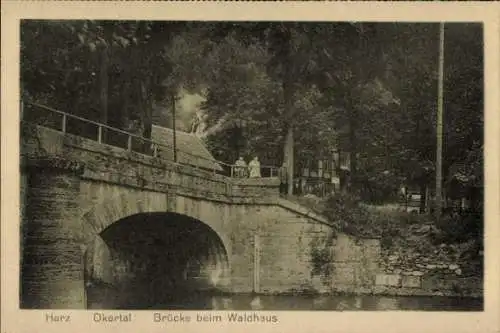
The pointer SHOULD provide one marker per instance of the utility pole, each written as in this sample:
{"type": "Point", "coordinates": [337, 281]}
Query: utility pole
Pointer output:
{"type": "Point", "coordinates": [439, 126]}
{"type": "Point", "coordinates": [173, 127]}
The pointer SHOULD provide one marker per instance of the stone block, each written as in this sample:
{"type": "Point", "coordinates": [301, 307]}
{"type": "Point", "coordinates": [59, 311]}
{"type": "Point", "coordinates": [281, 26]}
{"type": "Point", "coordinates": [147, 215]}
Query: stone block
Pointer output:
{"type": "Point", "coordinates": [344, 275]}
{"type": "Point", "coordinates": [434, 283]}
{"type": "Point", "coordinates": [410, 281]}
{"type": "Point", "coordinates": [346, 249]}
{"type": "Point", "coordinates": [392, 280]}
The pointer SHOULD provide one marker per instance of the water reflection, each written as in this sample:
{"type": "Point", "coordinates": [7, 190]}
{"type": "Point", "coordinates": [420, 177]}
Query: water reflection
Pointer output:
{"type": "Point", "coordinates": [256, 304]}
{"type": "Point", "coordinates": [106, 299]}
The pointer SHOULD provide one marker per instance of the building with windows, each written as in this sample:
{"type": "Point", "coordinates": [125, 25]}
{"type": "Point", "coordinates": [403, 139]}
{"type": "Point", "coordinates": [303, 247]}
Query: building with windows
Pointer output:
{"type": "Point", "coordinates": [324, 175]}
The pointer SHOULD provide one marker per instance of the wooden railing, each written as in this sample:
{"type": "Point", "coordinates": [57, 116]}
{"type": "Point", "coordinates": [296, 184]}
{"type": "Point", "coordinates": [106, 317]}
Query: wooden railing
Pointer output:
{"type": "Point", "coordinates": [67, 123]}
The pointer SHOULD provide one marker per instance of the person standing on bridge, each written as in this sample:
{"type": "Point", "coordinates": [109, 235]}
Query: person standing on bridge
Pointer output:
{"type": "Point", "coordinates": [254, 167]}
{"type": "Point", "coordinates": [240, 168]}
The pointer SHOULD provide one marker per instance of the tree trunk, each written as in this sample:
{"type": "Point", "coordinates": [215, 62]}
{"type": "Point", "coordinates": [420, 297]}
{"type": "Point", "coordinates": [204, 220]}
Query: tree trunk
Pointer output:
{"type": "Point", "coordinates": [353, 114]}
{"type": "Point", "coordinates": [427, 199]}
{"type": "Point", "coordinates": [288, 92]}
{"type": "Point", "coordinates": [104, 83]}
{"type": "Point", "coordinates": [174, 126]}
{"type": "Point", "coordinates": [146, 111]}
{"type": "Point", "coordinates": [423, 196]}
{"type": "Point", "coordinates": [127, 91]}
{"type": "Point", "coordinates": [289, 160]}
{"type": "Point", "coordinates": [359, 80]}
{"type": "Point", "coordinates": [125, 109]}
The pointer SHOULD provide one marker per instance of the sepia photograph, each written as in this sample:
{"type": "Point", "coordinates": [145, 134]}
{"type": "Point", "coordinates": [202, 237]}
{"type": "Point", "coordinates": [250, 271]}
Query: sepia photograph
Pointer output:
{"type": "Point", "coordinates": [251, 165]}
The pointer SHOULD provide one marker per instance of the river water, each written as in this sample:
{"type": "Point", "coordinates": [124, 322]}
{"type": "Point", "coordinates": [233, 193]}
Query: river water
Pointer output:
{"type": "Point", "coordinates": [206, 301]}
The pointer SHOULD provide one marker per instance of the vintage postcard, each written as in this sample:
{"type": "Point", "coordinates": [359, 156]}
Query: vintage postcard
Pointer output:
{"type": "Point", "coordinates": [250, 166]}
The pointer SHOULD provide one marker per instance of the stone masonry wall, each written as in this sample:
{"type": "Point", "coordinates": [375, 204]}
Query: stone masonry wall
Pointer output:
{"type": "Point", "coordinates": [299, 252]}
{"type": "Point", "coordinates": [355, 263]}
{"type": "Point", "coordinates": [52, 274]}
{"type": "Point", "coordinates": [427, 285]}
{"type": "Point", "coordinates": [286, 239]}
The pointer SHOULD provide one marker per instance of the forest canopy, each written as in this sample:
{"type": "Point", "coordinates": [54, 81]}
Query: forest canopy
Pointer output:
{"type": "Point", "coordinates": [284, 91]}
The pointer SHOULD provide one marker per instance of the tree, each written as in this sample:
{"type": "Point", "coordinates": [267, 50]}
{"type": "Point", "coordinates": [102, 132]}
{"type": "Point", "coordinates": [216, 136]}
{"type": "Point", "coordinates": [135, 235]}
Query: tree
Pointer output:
{"type": "Point", "coordinates": [412, 76]}
{"type": "Point", "coordinates": [55, 68]}
{"type": "Point", "coordinates": [290, 63]}
{"type": "Point", "coordinates": [351, 79]}
{"type": "Point", "coordinates": [125, 60]}
{"type": "Point", "coordinates": [242, 101]}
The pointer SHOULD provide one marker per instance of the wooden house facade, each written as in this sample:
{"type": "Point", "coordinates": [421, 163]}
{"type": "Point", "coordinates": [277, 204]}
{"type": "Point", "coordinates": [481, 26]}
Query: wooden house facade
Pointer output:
{"type": "Point", "coordinates": [322, 176]}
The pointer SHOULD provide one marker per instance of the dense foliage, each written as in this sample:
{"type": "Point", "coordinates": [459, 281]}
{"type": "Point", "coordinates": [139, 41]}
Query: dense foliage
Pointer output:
{"type": "Point", "coordinates": [351, 216]}
{"type": "Point", "coordinates": [286, 92]}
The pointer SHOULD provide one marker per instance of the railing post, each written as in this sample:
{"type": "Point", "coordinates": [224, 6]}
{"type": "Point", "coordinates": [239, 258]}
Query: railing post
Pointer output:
{"type": "Point", "coordinates": [63, 127]}
{"type": "Point", "coordinates": [271, 172]}
{"type": "Point", "coordinates": [155, 150]}
{"type": "Point", "coordinates": [129, 144]}
{"type": "Point", "coordinates": [99, 134]}
{"type": "Point", "coordinates": [232, 171]}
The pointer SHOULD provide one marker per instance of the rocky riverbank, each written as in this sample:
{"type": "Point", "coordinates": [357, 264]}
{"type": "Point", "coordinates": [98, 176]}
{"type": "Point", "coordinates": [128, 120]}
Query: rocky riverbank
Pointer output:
{"type": "Point", "coordinates": [417, 257]}
{"type": "Point", "coordinates": [415, 264]}
{"type": "Point", "coordinates": [414, 253]}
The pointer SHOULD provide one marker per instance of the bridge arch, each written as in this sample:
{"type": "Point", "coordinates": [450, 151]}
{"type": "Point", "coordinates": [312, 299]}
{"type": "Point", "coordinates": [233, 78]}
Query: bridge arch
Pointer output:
{"type": "Point", "coordinates": [118, 207]}
{"type": "Point", "coordinates": [142, 246]}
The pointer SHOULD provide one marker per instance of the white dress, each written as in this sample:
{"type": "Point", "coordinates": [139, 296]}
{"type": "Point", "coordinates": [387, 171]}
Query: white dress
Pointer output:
{"type": "Point", "coordinates": [254, 167]}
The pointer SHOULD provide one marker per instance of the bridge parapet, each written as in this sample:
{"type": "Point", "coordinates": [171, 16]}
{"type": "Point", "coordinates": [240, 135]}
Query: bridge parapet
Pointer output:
{"type": "Point", "coordinates": [110, 164]}
{"type": "Point", "coordinates": [160, 147]}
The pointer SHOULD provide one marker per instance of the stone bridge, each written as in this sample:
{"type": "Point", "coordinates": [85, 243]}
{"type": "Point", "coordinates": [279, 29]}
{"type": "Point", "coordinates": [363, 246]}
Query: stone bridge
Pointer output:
{"type": "Point", "coordinates": [97, 214]}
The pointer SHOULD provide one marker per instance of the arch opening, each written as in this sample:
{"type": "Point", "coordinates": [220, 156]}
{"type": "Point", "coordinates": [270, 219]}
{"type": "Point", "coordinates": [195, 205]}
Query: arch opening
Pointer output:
{"type": "Point", "coordinates": [155, 260]}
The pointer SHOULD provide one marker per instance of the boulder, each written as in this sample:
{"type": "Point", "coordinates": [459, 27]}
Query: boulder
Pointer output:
{"type": "Point", "coordinates": [423, 229]}
{"type": "Point", "coordinates": [393, 257]}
